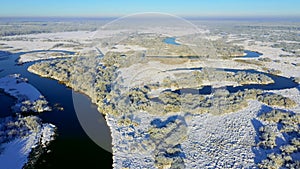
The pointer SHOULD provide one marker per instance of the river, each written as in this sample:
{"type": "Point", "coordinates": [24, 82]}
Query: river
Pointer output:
{"type": "Point", "coordinates": [280, 82]}
{"type": "Point", "coordinates": [72, 148]}
{"type": "Point", "coordinates": [248, 53]}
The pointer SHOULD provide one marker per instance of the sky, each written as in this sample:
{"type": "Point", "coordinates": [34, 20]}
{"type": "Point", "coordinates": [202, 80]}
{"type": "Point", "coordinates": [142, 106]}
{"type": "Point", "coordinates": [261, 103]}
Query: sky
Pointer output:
{"type": "Point", "coordinates": [106, 8]}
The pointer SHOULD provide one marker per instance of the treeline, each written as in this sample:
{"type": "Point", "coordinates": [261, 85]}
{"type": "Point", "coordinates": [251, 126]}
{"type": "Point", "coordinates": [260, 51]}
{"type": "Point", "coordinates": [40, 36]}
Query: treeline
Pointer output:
{"type": "Point", "coordinates": [22, 28]}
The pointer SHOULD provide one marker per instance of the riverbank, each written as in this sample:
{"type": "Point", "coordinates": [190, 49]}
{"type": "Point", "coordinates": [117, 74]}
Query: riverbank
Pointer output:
{"type": "Point", "coordinates": [71, 143]}
{"type": "Point", "coordinates": [28, 97]}
{"type": "Point", "coordinates": [20, 135]}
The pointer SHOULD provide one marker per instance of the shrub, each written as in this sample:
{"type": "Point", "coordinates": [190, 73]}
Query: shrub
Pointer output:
{"type": "Point", "coordinates": [268, 137]}
{"type": "Point", "coordinates": [276, 100]}
{"type": "Point", "coordinates": [274, 161]}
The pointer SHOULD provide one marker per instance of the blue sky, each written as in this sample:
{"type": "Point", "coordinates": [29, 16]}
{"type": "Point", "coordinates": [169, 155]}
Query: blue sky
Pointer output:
{"type": "Point", "coordinates": [95, 8]}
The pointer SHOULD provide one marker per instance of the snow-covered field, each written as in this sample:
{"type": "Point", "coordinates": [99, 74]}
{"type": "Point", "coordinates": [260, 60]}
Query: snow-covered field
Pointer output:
{"type": "Point", "coordinates": [19, 136]}
{"type": "Point", "coordinates": [223, 141]}
{"type": "Point", "coordinates": [284, 64]}
{"type": "Point", "coordinates": [30, 57]}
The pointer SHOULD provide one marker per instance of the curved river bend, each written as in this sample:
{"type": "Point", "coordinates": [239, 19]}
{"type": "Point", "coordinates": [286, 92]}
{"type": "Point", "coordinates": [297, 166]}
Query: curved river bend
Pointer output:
{"type": "Point", "coordinates": [72, 148]}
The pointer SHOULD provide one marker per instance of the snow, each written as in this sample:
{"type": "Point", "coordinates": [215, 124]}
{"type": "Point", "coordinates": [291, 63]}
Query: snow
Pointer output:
{"type": "Point", "coordinates": [127, 151]}
{"type": "Point", "coordinates": [125, 48]}
{"type": "Point", "coordinates": [17, 87]}
{"type": "Point", "coordinates": [15, 150]}
{"type": "Point", "coordinates": [47, 133]}
{"type": "Point", "coordinates": [224, 141]}
{"type": "Point", "coordinates": [30, 57]}
{"type": "Point", "coordinates": [284, 64]}
{"type": "Point", "coordinates": [233, 147]}
{"type": "Point", "coordinates": [28, 97]}
{"type": "Point", "coordinates": [41, 41]}
{"type": "Point", "coordinates": [14, 154]}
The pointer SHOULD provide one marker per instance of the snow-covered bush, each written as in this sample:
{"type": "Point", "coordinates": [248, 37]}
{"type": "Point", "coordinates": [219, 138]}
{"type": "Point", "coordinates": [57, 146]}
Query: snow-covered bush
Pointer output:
{"type": "Point", "coordinates": [167, 136]}
{"type": "Point", "coordinates": [279, 122]}
{"type": "Point", "coordinates": [272, 99]}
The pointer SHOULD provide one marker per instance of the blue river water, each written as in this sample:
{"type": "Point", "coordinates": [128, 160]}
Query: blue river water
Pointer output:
{"type": "Point", "coordinates": [280, 82]}
{"type": "Point", "coordinates": [171, 41]}
{"type": "Point", "coordinates": [251, 54]}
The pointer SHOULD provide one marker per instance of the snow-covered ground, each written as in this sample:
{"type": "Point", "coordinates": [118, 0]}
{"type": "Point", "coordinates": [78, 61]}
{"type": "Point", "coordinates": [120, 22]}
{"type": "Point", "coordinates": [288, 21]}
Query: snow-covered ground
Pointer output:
{"type": "Point", "coordinates": [15, 150]}
{"type": "Point", "coordinates": [20, 135]}
{"type": "Point", "coordinates": [213, 141]}
{"type": "Point", "coordinates": [284, 64]}
{"type": "Point", "coordinates": [223, 141]}
{"type": "Point", "coordinates": [52, 43]}
{"type": "Point", "coordinates": [30, 57]}
{"type": "Point", "coordinates": [17, 87]}
{"type": "Point", "coordinates": [27, 96]}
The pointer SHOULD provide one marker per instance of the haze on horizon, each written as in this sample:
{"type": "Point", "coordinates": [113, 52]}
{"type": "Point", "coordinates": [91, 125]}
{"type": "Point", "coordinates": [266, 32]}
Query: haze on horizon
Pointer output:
{"type": "Point", "coordinates": [96, 8]}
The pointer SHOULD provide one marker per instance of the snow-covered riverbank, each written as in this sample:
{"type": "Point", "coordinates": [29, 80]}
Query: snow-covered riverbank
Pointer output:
{"type": "Point", "coordinates": [20, 135]}
{"type": "Point", "coordinates": [28, 97]}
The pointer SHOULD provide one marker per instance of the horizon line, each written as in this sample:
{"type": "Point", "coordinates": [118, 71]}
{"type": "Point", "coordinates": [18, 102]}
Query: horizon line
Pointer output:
{"type": "Point", "coordinates": [157, 13]}
{"type": "Point", "coordinates": [183, 16]}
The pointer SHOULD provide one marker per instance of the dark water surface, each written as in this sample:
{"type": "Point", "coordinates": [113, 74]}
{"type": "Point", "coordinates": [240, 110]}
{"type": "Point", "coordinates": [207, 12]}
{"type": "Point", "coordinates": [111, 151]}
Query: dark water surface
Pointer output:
{"type": "Point", "coordinates": [72, 148]}
{"type": "Point", "coordinates": [251, 54]}
{"type": "Point", "coordinates": [280, 82]}
{"type": "Point", "coordinates": [6, 102]}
